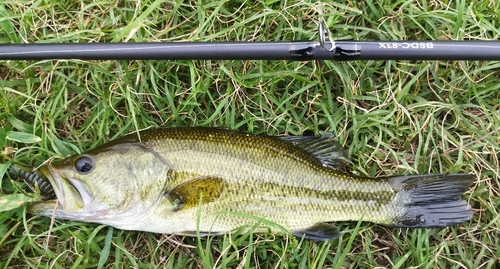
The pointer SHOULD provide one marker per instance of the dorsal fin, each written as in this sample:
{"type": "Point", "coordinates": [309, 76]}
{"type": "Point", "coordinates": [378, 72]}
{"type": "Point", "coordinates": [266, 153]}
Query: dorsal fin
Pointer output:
{"type": "Point", "coordinates": [325, 148]}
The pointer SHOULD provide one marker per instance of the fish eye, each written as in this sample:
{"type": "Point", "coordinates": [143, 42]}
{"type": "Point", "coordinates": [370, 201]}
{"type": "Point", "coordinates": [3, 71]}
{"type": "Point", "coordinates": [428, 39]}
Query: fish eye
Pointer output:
{"type": "Point", "coordinates": [84, 164]}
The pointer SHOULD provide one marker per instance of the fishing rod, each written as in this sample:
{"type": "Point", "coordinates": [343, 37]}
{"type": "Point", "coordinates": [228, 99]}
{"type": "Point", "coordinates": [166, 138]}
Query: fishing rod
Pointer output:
{"type": "Point", "coordinates": [295, 50]}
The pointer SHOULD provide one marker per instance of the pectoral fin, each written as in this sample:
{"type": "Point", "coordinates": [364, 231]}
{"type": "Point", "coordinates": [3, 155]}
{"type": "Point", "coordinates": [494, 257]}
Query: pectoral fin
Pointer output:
{"type": "Point", "coordinates": [188, 194]}
{"type": "Point", "coordinates": [318, 232]}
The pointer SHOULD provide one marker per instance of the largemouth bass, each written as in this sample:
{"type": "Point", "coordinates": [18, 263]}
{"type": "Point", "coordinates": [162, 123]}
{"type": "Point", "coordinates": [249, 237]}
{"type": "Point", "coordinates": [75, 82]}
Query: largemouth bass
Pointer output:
{"type": "Point", "coordinates": [190, 181]}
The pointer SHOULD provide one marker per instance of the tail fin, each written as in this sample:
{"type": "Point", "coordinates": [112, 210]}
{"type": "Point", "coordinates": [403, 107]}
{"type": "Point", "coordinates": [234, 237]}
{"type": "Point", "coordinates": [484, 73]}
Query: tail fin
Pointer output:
{"type": "Point", "coordinates": [433, 200]}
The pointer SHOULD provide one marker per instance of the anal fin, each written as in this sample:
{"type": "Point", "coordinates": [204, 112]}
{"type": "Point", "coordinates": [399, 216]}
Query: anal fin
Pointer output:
{"type": "Point", "coordinates": [318, 232]}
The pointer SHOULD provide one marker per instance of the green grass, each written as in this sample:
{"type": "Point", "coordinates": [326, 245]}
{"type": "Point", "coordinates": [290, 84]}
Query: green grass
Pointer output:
{"type": "Point", "coordinates": [393, 117]}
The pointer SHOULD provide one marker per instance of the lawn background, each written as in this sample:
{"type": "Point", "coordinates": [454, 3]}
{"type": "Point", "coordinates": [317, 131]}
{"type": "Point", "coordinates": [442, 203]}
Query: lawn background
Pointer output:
{"type": "Point", "coordinates": [393, 117]}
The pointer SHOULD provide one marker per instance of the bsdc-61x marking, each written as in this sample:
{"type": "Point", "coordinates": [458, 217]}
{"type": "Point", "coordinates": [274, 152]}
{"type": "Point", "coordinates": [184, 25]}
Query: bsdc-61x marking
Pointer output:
{"type": "Point", "coordinates": [406, 45]}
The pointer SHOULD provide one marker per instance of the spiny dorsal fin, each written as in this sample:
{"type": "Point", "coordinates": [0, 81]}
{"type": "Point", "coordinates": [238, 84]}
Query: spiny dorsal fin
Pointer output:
{"type": "Point", "coordinates": [188, 194]}
{"type": "Point", "coordinates": [325, 148]}
{"type": "Point", "coordinates": [318, 232]}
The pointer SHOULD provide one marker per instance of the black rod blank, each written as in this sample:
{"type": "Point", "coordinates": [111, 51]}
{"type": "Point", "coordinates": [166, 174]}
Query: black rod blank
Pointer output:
{"type": "Point", "coordinates": [295, 51]}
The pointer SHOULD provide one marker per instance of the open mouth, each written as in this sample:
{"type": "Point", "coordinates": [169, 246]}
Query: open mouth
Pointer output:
{"type": "Point", "coordinates": [68, 192]}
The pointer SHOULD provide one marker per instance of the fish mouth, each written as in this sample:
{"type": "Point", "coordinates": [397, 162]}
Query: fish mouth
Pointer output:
{"type": "Point", "coordinates": [71, 194]}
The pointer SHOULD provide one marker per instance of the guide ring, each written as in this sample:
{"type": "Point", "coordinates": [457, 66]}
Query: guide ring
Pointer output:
{"type": "Point", "coordinates": [322, 32]}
